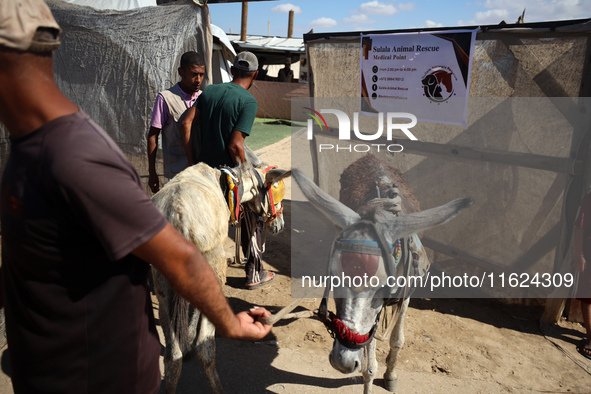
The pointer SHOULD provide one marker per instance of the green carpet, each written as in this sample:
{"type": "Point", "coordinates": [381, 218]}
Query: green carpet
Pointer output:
{"type": "Point", "coordinates": [268, 131]}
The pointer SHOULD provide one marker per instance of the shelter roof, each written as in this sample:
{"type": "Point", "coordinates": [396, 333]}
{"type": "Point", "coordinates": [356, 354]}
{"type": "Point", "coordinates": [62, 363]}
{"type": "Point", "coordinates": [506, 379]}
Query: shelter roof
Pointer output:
{"type": "Point", "coordinates": [273, 49]}
{"type": "Point", "coordinates": [561, 26]}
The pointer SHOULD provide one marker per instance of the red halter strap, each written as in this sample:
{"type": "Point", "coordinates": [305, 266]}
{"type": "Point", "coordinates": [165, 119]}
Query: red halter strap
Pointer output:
{"type": "Point", "coordinates": [345, 336]}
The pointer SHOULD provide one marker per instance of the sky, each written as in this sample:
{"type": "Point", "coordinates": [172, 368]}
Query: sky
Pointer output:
{"type": "Point", "coordinates": [271, 17]}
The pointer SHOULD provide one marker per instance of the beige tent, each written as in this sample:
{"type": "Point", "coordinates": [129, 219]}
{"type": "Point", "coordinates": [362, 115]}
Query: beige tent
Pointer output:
{"type": "Point", "coordinates": [523, 158]}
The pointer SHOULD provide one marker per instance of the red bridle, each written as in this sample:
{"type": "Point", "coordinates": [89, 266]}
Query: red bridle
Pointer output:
{"type": "Point", "coordinates": [345, 336]}
{"type": "Point", "coordinates": [274, 213]}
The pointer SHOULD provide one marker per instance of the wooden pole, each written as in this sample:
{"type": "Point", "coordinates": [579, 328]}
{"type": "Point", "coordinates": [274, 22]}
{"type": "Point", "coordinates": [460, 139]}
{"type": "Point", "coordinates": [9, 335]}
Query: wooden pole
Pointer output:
{"type": "Point", "coordinates": [290, 25]}
{"type": "Point", "coordinates": [244, 19]}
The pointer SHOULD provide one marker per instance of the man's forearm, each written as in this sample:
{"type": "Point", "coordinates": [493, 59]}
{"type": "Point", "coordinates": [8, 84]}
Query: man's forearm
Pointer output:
{"type": "Point", "coordinates": [152, 148]}
{"type": "Point", "coordinates": [188, 145]}
{"type": "Point", "coordinates": [201, 288]}
{"type": "Point", "coordinates": [186, 126]}
{"type": "Point", "coordinates": [236, 146]}
{"type": "Point", "coordinates": [190, 275]}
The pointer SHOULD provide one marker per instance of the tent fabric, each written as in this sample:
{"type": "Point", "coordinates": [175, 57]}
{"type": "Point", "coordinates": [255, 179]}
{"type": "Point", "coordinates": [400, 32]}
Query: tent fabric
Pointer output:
{"type": "Point", "coordinates": [118, 5]}
{"type": "Point", "coordinates": [218, 33]}
{"type": "Point", "coordinates": [112, 64]}
{"type": "Point", "coordinates": [223, 55]}
{"type": "Point", "coordinates": [522, 112]}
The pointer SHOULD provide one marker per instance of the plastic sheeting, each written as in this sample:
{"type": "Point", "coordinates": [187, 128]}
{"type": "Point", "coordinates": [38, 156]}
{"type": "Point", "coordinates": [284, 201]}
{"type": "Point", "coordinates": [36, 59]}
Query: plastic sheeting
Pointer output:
{"type": "Point", "coordinates": [112, 64]}
{"type": "Point", "coordinates": [119, 5]}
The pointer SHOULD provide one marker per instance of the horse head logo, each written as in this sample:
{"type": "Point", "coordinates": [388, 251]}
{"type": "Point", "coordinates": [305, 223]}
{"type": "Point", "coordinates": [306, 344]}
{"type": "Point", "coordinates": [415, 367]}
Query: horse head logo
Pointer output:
{"type": "Point", "coordinates": [438, 85]}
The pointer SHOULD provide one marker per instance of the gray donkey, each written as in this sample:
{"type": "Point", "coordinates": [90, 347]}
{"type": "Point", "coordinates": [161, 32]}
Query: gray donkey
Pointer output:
{"type": "Point", "coordinates": [193, 203]}
{"type": "Point", "coordinates": [378, 239]}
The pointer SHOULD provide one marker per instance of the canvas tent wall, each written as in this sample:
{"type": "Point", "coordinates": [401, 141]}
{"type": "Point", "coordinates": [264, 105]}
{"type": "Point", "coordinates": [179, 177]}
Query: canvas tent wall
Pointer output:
{"type": "Point", "coordinates": [112, 64]}
{"type": "Point", "coordinates": [117, 5]}
{"type": "Point", "coordinates": [523, 157]}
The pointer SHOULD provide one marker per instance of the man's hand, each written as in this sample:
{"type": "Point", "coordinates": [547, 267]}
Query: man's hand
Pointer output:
{"type": "Point", "coordinates": [154, 182]}
{"type": "Point", "coordinates": [251, 328]}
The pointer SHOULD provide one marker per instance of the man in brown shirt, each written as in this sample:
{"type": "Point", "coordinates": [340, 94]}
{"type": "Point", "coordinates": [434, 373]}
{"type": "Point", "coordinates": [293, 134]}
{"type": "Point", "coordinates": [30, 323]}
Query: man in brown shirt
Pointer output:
{"type": "Point", "coordinates": [78, 235]}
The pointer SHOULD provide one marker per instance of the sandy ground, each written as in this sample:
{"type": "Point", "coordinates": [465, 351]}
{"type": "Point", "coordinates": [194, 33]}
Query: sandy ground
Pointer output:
{"type": "Point", "coordinates": [452, 345]}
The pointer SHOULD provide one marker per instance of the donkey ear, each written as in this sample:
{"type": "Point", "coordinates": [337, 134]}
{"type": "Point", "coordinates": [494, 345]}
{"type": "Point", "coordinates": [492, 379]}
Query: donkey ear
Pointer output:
{"type": "Point", "coordinates": [340, 214]}
{"type": "Point", "coordinates": [405, 225]}
{"type": "Point", "coordinates": [276, 174]}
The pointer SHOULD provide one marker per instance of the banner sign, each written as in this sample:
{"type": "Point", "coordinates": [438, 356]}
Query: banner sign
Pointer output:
{"type": "Point", "coordinates": [433, 66]}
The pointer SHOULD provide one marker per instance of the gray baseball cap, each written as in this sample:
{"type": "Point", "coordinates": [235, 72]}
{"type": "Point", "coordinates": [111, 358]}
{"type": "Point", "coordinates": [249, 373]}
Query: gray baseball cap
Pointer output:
{"type": "Point", "coordinates": [28, 25]}
{"type": "Point", "coordinates": [246, 61]}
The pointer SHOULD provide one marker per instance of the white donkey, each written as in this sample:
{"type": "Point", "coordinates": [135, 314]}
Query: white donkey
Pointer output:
{"type": "Point", "coordinates": [377, 243]}
{"type": "Point", "coordinates": [193, 203]}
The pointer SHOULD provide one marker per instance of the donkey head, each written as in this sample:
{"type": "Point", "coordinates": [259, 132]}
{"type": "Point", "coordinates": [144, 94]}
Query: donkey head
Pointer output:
{"type": "Point", "coordinates": [362, 251]}
{"type": "Point", "coordinates": [275, 191]}
{"type": "Point", "coordinates": [264, 190]}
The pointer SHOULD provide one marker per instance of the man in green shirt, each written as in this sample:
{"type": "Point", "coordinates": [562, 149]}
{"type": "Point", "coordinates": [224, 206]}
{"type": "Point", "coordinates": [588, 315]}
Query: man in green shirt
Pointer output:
{"type": "Point", "coordinates": [225, 113]}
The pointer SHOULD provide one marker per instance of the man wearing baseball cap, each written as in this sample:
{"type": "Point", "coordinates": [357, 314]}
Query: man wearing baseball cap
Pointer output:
{"type": "Point", "coordinates": [225, 113]}
{"type": "Point", "coordinates": [78, 233]}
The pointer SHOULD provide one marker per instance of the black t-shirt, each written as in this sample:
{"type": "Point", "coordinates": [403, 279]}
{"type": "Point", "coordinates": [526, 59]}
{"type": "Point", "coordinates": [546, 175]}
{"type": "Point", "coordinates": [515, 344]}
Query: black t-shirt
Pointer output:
{"type": "Point", "coordinates": [78, 313]}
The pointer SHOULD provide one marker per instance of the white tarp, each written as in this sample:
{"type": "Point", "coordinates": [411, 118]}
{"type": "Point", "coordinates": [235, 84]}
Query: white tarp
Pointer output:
{"type": "Point", "coordinates": [279, 44]}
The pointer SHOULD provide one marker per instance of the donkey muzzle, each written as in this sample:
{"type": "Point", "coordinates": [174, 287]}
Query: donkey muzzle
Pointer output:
{"type": "Point", "coordinates": [345, 360]}
{"type": "Point", "coordinates": [276, 224]}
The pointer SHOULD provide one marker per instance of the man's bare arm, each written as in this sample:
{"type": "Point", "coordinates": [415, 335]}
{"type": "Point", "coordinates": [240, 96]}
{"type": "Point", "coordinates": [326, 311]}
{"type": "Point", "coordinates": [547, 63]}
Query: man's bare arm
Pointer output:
{"type": "Point", "coordinates": [192, 115]}
{"type": "Point", "coordinates": [236, 146]}
{"type": "Point", "coordinates": [193, 279]}
{"type": "Point", "coordinates": [153, 181]}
